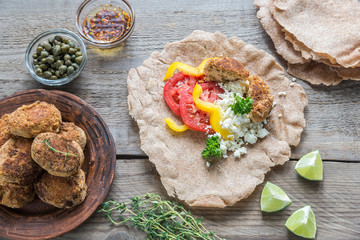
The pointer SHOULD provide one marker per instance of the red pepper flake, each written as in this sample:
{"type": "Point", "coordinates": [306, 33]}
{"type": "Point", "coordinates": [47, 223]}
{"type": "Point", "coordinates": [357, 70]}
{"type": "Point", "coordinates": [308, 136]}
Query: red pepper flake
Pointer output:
{"type": "Point", "coordinates": [107, 25]}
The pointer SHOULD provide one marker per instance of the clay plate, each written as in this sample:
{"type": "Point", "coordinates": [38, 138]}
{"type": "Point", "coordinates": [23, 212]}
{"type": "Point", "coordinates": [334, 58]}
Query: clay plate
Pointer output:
{"type": "Point", "coordinates": [39, 220]}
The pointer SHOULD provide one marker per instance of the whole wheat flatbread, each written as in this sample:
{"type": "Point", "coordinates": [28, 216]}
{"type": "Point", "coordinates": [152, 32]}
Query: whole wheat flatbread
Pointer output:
{"type": "Point", "coordinates": [298, 55]}
{"type": "Point", "coordinates": [319, 70]}
{"type": "Point", "coordinates": [307, 53]}
{"type": "Point", "coordinates": [273, 29]}
{"type": "Point", "coordinates": [348, 73]}
{"type": "Point", "coordinates": [177, 157]}
{"type": "Point", "coordinates": [329, 28]}
{"type": "Point", "coordinates": [315, 73]}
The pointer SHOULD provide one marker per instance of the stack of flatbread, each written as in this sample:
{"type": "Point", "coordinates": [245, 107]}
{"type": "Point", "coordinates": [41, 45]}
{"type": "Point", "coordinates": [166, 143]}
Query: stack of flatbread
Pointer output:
{"type": "Point", "coordinates": [319, 39]}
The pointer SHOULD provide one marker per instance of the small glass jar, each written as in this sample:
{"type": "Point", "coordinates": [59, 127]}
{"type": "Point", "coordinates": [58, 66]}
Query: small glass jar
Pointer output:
{"type": "Point", "coordinates": [89, 9]}
{"type": "Point", "coordinates": [43, 37]}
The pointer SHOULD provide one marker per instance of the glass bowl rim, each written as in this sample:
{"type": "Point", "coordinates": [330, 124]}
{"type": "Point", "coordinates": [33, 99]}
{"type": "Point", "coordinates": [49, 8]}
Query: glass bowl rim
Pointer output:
{"type": "Point", "coordinates": [105, 44]}
{"type": "Point", "coordinates": [61, 81]}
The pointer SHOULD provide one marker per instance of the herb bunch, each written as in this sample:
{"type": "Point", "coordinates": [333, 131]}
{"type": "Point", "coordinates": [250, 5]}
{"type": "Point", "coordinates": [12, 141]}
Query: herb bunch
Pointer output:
{"type": "Point", "coordinates": [160, 219]}
{"type": "Point", "coordinates": [242, 105]}
{"type": "Point", "coordinates": [212, 148]}
{"type": "Point", "coordinates": [47, 143]}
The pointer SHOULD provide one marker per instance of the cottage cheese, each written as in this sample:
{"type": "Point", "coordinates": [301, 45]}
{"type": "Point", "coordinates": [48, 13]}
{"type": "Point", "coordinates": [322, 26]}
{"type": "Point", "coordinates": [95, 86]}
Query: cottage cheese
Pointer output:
{"type": "Point", "coordinates": [243, 130]}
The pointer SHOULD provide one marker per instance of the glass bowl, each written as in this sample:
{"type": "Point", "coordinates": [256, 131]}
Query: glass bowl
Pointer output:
{"type": "Point", "coordinates": [90, 7]}
{"type": "Point", "coordinates": [43, 37]}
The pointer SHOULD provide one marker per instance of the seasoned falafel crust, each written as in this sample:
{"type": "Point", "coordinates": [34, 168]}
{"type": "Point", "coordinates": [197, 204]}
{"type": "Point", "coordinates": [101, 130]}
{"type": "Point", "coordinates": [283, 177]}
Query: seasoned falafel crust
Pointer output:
{"type": "Point", "coordinates": [30, 120]}
{"type": "Point", "coordinates": [55, 162]}
{"type": "Point", "coordinates": [225, 69]}
{"type": "Point", "coordinates": [70, 132]}
{"type": "Point", "coordinates": [16, 164]}
{"type": "Point", "coordinates": [62, 192]}
{"type": "Point", "coordinates": [16, 196]}
{"type": "Point", "coordinates": [260, 92]}
{"type": "Point", "coordinates": [4, 130]}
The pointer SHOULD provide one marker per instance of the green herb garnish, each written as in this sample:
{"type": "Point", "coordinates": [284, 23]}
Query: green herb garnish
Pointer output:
{"type": "Point", "coordinates": [47, 143]}
{"type": "Point", "coordinates": [212, 148]}
{"type": "Point", "coordinates": [242, 105]}
{"type": "Point", "coordinates": [160, 219]}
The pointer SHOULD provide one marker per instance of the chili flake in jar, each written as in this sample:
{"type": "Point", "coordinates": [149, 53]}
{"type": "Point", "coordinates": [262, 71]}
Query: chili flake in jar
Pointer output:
{"type": "Point", "coordinates": [107, 25]}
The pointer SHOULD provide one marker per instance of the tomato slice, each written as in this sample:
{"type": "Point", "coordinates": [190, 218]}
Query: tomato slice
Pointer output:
{"type": "Point", "coordinates": [192, 116]}
{"type": "Point", "coordinates": [173, 88]}
{"type": "Point", "coordinates": [210, 91]}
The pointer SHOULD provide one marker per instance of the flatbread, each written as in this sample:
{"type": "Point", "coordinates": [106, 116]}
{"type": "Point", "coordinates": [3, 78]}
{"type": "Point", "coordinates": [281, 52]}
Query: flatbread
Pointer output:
{"type": "Point", "coordinates": [273, 29]}
{"type": "Point", "coordinates": [298, 56]}
{"type": "Point", "coordinates": [319, 70]}
{"type": "Point", "coordinates": [315, 73]}
{"type": "Point", "coordinates": [348, 73]}
{"type": "Point", "coordinates": [329, 28]}
{"type": "Point", "coordinates": [307, 53]}
{"type": "Point", "coordinates": [177, 157]}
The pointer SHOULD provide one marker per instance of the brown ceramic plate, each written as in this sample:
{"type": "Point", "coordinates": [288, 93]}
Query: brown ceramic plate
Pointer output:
{"type": "Point", "coordinates": [39, 220]}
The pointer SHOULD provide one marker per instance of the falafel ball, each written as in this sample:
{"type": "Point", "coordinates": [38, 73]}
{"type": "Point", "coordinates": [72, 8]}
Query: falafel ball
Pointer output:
{"type": "Point", "coordinates": [56, 155]}
{"type": "Point", "coordinates": [62, 192]}
{"type": "Point", "coordinates": [30, 120]}
{"type": "Point", "coordinates": [15, 195]}
{"type": "Point", "coordinates": [71, 132]}
{"type": "Point", "coordinates": [16, 164]}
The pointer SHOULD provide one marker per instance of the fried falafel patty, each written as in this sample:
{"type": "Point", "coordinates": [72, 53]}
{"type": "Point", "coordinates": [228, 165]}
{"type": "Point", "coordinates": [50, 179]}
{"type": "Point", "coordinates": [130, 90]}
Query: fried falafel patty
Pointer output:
{"type": "Point", "coordinates": [30, 120]}
{"type": "Point", "coordinates": [70, 132]}
{"type": "Point", "coordinates": [4, 130]}
{"type": "Point", "coordinates": [260, 92]}
{"type": "Point", "coordinates": [56, 155]}
{"type": "Point", "coordinates": [224, 70]}
{"type": "Point", "coordinates": [62, 192]}
{"type": "Point", "coordinates": [16, 164]}
{"type": "Point", "coordinates": [15, 195]}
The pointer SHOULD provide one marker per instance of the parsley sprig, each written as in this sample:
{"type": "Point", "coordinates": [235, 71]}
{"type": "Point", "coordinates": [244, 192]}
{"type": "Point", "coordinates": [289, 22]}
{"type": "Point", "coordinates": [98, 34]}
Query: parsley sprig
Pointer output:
{"type": "Point", "coordinates": [242, 105]}
{"type": "Point", "coordinates": [47, 143]}
{"type": "Point", "coordinates": [212, 148]}
{"type": "Point", "coordinates": [160, 219]}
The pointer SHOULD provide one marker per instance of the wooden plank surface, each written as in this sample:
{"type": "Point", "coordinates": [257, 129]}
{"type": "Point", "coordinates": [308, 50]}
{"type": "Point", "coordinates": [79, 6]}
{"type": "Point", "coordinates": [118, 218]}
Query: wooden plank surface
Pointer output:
{"type": "Point", "coordinates": [332, 115]}
{"type": "Point", "coordinates": [335, 203]}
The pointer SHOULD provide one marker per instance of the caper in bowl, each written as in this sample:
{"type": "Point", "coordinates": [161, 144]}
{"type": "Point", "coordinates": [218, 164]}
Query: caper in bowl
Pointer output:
{"type": "Point", "coordinates": [55, 57]}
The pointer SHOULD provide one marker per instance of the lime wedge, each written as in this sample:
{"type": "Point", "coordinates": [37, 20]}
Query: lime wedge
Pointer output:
{"type": "Point", "coordinates": [273, 198]}
{"type": "Point", "coordinates": [302, 222]}
{"type": "Point", "coordinates": [310, 166]}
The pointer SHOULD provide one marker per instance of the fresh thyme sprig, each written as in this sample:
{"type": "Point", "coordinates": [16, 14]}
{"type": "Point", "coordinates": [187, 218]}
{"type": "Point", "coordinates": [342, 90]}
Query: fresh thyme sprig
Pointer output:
{"type": "Point", "coordinates": [47, 143]}
{"type": "Point", "coordinates": [160, 219]}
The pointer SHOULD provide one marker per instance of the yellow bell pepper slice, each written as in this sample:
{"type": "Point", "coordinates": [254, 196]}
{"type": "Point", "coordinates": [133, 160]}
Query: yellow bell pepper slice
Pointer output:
{"type": "Point", "coordinates": [186, 69]}
{"type": "Point", "coordinates": [177, 128]}
{"type": "Point", "coordinates": [213, 109]}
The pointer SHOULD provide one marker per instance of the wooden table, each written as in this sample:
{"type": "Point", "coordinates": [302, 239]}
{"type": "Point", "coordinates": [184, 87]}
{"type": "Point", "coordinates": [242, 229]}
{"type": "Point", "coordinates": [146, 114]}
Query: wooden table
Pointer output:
{"type": "Point", "coordinates": [332, 115]}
